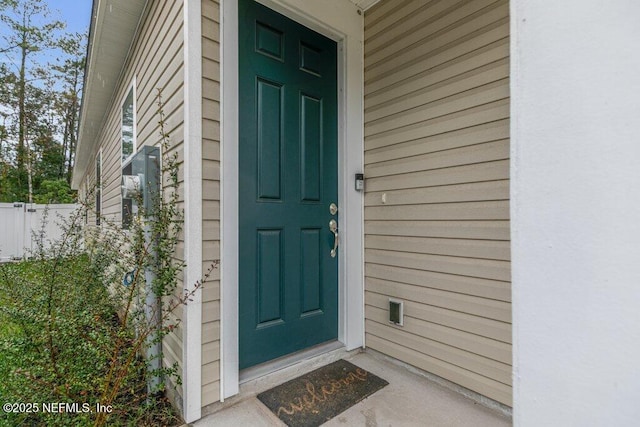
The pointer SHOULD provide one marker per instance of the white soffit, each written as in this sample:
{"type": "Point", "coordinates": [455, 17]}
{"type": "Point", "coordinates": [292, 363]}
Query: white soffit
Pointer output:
{"type": "Point", "coordinates": [113, 26]}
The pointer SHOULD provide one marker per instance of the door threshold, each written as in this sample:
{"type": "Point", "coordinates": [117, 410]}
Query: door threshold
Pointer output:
{"type": "Point", "coordinates": [259, 378]}
{"type": "Point", "coordinates": [280, 363]}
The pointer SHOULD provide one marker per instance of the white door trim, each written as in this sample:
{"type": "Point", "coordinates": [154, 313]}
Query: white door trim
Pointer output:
{"type": "Point", "coordinates": [343, 22]}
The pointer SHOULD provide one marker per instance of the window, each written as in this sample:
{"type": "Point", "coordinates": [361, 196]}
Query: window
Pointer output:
{"type": "Point", "coordinates": [128, 132]}
{"type": "Point", "coordinates": [98, 187]}
{"type": "Point", "coordinates": [128, 126]}
{"type": "Point", "coordinates": [85, 199]}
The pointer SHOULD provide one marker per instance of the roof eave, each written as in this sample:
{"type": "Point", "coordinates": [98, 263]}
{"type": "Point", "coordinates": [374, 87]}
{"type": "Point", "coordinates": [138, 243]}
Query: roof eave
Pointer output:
{"type": "Point", "coordinates": [113, 28]}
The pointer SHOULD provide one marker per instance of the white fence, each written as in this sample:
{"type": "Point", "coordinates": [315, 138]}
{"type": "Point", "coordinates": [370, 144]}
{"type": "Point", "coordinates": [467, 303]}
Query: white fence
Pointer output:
{"type": "Point", "coordinates": [19, 221]}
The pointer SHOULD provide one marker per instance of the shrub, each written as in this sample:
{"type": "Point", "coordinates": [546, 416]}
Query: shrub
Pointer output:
{"type": "Point", "coordinates": [76, 335]}
{"type": "Point", "coordinates": [54, 191]}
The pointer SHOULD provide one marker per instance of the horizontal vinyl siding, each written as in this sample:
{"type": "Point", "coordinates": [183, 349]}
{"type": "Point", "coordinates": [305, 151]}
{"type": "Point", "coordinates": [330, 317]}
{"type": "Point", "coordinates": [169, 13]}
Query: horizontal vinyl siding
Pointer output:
{"type": "Point", "coordinates": [437, 191]}
{"type": "Point", "coordinates": [156, 61]}
{"type": "Point", "coordinates": [162, 67]}
{"type": "Point", "coordinates": [89, 183]}
{"type": "Point", "coordinates": [211, 202]}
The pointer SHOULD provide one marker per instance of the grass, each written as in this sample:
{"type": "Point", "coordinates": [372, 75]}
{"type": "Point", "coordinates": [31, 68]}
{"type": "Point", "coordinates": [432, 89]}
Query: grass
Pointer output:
{"type": "Point", "coordinates": [84, 326]}
{"type": "Point", "coordinates": [6, 331]}
{"type": "Point", "coordinates": [7, 328]}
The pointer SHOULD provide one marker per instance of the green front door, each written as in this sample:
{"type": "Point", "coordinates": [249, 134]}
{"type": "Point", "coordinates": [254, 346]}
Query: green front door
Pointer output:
{"type": "Point", "coordinates": [288, 179]}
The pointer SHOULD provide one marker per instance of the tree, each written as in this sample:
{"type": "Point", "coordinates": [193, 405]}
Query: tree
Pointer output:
{"type": "Point", "coordinates": [71, 72]}
{"type": "Point", "coordinates": [39, 100]}
{"type": "Point", "coordinates": [27, 38]}
{"type": "Point", "coordinates": [54, 191]}
{"type": "Point", "coordinates": [27, 35]}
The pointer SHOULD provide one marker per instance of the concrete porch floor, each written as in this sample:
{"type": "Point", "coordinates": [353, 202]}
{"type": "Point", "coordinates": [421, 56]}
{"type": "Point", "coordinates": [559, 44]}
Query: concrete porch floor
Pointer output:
{"type": "Point", "coordinates": [410, 399]}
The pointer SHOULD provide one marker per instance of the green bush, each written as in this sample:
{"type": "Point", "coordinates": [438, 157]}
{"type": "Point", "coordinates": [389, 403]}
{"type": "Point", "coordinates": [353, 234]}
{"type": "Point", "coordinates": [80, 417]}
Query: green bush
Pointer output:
{"type": "Point", "coordinates": [73, 334]}
{"type": "Point", "coordinates": [60, 338]}
{"type": "Point", "coordinates": [54, 191]}
{"type": "Point", "coordinates": [57, 351]}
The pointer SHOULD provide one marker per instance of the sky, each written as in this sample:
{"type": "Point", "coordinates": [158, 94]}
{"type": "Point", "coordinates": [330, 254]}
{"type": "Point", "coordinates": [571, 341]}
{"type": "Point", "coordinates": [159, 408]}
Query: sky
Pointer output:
{"type": "Point", "coordinates": [76, 13]}
{"type": "Point", "coordinates": [77, 16]}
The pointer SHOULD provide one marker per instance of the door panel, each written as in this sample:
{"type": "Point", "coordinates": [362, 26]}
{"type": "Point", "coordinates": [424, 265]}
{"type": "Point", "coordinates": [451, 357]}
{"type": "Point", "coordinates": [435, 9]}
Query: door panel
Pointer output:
{"type": "Point", "coordinates": [269, 286]}
{"type": "Point", "coordinates": [288, 178]}
{"type": "Point", "coordinates": [311, 147]}
{"type": "Point", "coordinates": [311, 276]}
{"type": "Point", "coordinates": [269, 139]}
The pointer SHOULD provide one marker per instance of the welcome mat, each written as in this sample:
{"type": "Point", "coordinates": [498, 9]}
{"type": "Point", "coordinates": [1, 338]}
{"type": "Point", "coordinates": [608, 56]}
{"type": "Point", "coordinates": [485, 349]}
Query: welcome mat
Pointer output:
{"type": "Point", "coordinates": [316, 397]}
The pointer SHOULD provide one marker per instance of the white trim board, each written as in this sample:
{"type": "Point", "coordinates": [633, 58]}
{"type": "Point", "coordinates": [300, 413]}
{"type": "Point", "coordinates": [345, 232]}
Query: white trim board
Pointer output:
{"type": "Point", "coordinates": [192, 312]}
{"type": "Point", "coordinates": [342, 21]}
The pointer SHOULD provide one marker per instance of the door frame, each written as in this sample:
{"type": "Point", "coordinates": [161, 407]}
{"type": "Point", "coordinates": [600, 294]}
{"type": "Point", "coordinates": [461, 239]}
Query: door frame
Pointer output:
{"type": "Point", "coordinates": [343, 22]}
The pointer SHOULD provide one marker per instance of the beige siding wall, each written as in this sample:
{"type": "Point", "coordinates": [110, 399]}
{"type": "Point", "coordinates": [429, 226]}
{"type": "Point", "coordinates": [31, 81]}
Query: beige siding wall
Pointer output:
{"type": "Point", "coordinates": [165, 42]}
{"type": "Point", "coordinates": [211, 199]}
{"type": "Point", "coordinates": [437, 194]}
{"type": "Point", "coordinates": [156, 60]}
{"type": "Point", "coordinates": [88, 184]}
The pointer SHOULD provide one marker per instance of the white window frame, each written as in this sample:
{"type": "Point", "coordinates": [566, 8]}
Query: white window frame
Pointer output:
{"type": "Point", "coordinates": [130, 89]}
{"type": "Point", "coordinates": [99, 187]}
{"type": "Point", "coordinates": [85, 193]}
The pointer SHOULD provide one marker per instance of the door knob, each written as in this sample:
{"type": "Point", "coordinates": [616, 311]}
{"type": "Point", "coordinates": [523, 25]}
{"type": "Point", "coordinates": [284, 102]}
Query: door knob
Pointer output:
{"type": "Point", "coordinates": [333, 227]}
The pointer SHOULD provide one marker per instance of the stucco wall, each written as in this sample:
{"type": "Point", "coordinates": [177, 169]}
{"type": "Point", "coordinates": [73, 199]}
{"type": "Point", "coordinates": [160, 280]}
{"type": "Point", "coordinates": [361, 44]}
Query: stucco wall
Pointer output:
{"type": "Point", "coordinates": [576, 212]}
